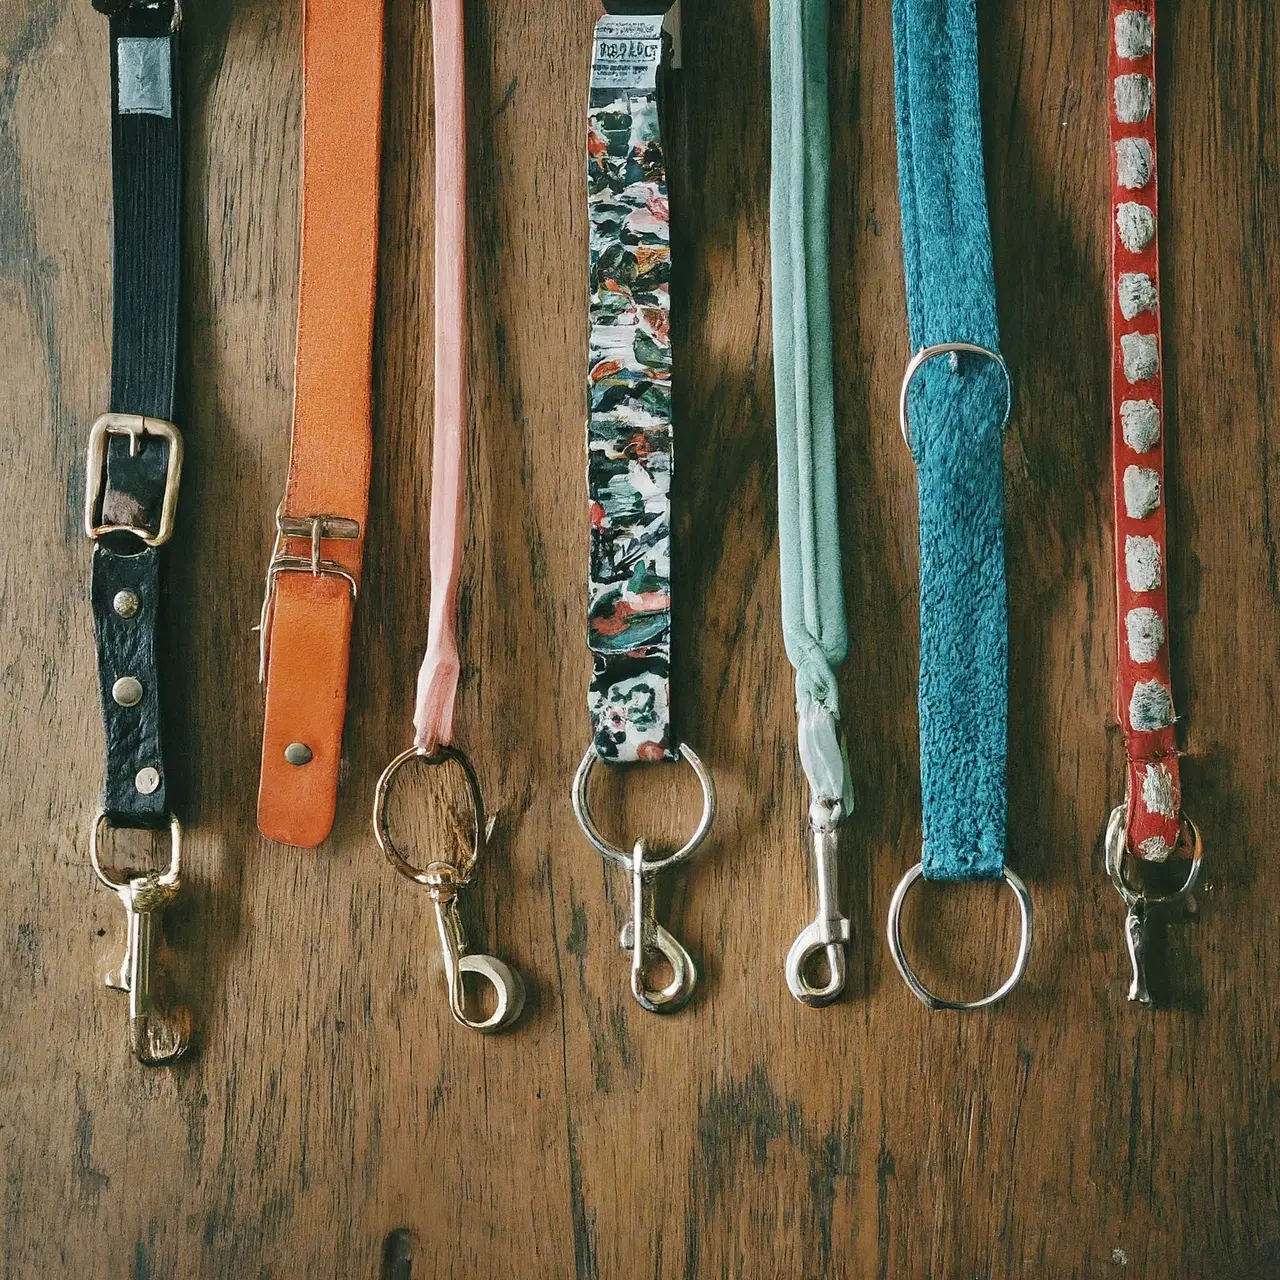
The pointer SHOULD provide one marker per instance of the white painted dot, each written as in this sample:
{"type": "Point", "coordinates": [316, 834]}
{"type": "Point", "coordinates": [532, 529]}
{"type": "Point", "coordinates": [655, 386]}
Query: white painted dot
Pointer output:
{"type": "Point", "coordinates": [1157, 791]}
{"type": "Point", "coordinates": [1133, 163]}
{"type": "Point", "coordinates": [1150, 707]}
{"type": "Point", "coordinates": [1145, 631]}
{"type": "Point", "coordinates": [1137, 225]}
{"type": "Point", "coordinates": [1133, 98]}
{"type": "Point", "coordinates": [1133, 34]}
{"type": "Point", "coordinates": [1137, 293]}
{"type": "Point", "coordinates": [1142, 563]}
{"type": "Point", "coordinates": [1141, 492]}
{"type": "Point", "coordinates": [1154, 849]}
{"type": "Point", "coordinates": [1140, 423]}
{"type": "Point", "coordinates": [1141, 355]}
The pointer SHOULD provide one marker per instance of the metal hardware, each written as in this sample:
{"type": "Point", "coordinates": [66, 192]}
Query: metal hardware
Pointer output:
{"type": "Point", "coordinates": [952, 349]}
{"type": "Point", "coordinates": [136, 427]}
{"type": "Point", "coordinates": [127, 691]}
{"type": "Point", "coordinates": [317, 529]}
{"type": "Point", "coordinates": [1138, 905]}
{"type": "Point", "coordinates": [147, 780]}
{"type": "Point", "coordinates": [442, 880]}
{"type": "Point", "coordinates": [298, 753]}
{"type": "Point", "coordinates": [157, 1034]}
{"type": "Point", "coordinates": [125, 603]}
{"type": "Point", "coordinates": [642, 935]}
{"type": "Point", "coordinates": [908, 974]}
{"type": "Point", "coordinates": [830, 931]}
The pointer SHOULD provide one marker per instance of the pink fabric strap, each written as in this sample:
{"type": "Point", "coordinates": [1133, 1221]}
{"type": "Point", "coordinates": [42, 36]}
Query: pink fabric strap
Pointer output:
{"type": "Point", "coordinates": [438, 678]}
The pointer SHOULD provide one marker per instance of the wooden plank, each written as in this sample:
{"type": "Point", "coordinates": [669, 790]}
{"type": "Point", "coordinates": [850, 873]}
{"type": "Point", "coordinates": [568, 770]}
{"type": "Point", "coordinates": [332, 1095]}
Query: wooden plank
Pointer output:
{"type": "Point", "coordinates": [334, 1121]}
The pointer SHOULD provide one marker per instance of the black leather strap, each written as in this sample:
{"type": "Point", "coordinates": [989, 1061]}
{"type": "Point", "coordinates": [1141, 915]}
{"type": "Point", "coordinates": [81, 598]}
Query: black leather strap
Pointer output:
{"type": "Point", "coordinates": [146, 172]}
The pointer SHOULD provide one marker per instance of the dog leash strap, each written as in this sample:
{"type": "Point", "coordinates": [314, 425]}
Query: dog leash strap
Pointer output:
{"type": "Point", "coordinates": [629, 428]}
{"type": "Point", "coordinates": [1144, 699]}
{"type": "Point", "coordinates": [813, 615]}
{"type": "Point", "coordinates": [957, 409]}
{"type": "Point", "coordinates": [314, 574]}
{"type": "Point", "coordinates": [131, 491]}
{"type": "Point", "coordinates": [135, 451]}
{"type": "Point", "coordinates": [438, 677]}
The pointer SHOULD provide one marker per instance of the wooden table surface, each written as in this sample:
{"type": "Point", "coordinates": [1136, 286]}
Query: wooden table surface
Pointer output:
{"type": "Point", "coordinates": [333, 1121]}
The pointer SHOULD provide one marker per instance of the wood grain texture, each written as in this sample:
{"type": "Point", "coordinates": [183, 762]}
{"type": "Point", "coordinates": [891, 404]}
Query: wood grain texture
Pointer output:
{"type": "Point", "coordinates": [334, 1121]}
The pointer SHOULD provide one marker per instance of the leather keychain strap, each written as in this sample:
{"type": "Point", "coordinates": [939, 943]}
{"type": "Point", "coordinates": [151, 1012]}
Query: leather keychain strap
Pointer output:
{"type": "Point", "coordinates": [955, 402]}
{"type": "Point", "coordinates": [314, 575]}
{"type": "Point", "coordinates": [131, 490]}
{"type": "Point", "coordinates": [1144, 701]}
{"type": "Point", "coordinates": [813, 613]}
{"type": "Point", "coordinates": [135, 451]}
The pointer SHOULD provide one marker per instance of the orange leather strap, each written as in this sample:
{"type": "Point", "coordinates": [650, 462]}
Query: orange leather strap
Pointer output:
{"type": "Point", "coordinates": [315, 570]}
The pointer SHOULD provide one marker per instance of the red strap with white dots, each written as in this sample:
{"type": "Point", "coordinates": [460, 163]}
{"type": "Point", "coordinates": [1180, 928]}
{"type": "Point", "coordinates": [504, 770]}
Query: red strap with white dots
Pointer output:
{"type": "Point", "coordinates": [1144, 698]}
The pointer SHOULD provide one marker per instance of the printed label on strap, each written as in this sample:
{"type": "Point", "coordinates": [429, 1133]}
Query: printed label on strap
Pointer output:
{"type": "Point", "coordinates": [629, 396]}
{"type": "Point", "coordinates": [628, 52]}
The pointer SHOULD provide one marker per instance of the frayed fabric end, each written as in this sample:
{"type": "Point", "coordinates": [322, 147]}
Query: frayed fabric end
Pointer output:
{"type": "Point", "coordinates": [822, 756]}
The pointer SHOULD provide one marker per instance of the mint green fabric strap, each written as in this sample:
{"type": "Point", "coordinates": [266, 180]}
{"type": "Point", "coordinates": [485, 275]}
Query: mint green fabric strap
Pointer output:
{"type": "Point", "coordinates": [813, 617]}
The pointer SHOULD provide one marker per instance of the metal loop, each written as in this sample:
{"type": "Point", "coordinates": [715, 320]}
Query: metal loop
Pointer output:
{"type": "Point", "coordinates": [429, 876]}
{"type": "Point", "coordinates": [1115, 850]}
{"type": "Point", "coordinates": [909, 975]}
{"type": "Point", "coordinates": [623, 858]}
{"type": "Point", "coordinates": [829, 931]}
{"type": "Point", "coordinates": [926, 354]}
{"type": "Point", "coordinates": [165, 879]}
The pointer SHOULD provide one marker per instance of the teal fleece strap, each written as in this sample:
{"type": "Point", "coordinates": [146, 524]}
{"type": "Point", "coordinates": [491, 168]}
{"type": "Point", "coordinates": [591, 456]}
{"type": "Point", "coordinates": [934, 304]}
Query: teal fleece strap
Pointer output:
{"type": "Point", "coordinates": [957, 411]}
{"type": "Point", "coordinates": [813, 618]}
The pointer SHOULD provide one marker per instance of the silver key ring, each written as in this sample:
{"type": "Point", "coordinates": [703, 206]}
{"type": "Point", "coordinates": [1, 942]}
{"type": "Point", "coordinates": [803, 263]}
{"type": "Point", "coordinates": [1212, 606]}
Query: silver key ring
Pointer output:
{"type": "Point", "coordinates": [908, 973]}
{"type": "Point", "coordinates": [624, 857]}
{"type": "Point", "coordinates": [926, 354]}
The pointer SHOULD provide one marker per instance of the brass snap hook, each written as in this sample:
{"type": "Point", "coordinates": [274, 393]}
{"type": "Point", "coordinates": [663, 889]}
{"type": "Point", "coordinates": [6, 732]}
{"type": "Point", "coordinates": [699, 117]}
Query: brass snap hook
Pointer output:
{"type": "Point", "coordinates": [828, 932]}
{"type": "Point", "coordinates": [442, 881]}
{"type": "Point", "coordinates": [158, 1034]}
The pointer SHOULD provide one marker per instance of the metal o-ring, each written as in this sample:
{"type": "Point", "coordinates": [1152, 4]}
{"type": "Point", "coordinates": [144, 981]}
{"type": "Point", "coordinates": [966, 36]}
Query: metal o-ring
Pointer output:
{"type": "Point", "coordinates": [1115, 850]}
{"type": "Point", "coordinates": [926, 354]}
{"type": "Point", "coordinates": [909, 975]}
{"type": "Point", "coordinates": [624, 857]}
{"type": "Point", "coordinates": [381, 829]}
{"type": "Point", "coordinates": [101, 821]}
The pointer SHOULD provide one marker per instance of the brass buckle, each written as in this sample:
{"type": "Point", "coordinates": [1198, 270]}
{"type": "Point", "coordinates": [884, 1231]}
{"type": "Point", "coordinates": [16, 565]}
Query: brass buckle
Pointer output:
{"type": "Point", "coordinates": [317, 528]}
{"type": "Point", "coordinates": [135, 426]}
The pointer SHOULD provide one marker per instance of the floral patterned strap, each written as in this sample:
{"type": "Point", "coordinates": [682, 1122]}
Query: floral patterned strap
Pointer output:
{"type": "Point", "coordinates": [629, 452]}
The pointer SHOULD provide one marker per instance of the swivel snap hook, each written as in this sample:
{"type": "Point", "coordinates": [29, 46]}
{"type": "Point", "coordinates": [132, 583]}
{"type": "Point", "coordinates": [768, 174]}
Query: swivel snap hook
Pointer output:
{"type": "Point", "coordinates": [442, 880]}
{"type": "Point", "coordinates": [643, 936]}
{"type": "Point", "coordinates": [828, 932]}
{"type": "Point", "coordinates": [508, 986]}
{"type": "Point", "coordinates": [1138, 905]}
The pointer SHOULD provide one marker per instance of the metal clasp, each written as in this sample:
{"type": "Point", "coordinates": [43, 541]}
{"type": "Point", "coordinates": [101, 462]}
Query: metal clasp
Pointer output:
{"type": "Point", "coordinates": [157, 1035]}
{"type": "Point", "coordinates": [829, 931]}
{"type": "Point", "coordinates": [442, 880]}
{"type": "Point", "coordinates": [315, 528]}
{"type": "Point", "coordinates": [642, 935]}
{"type": "Point", "coordinates": [136, 427]}
{"type": "Point", "coordinates": [1138, 904]}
